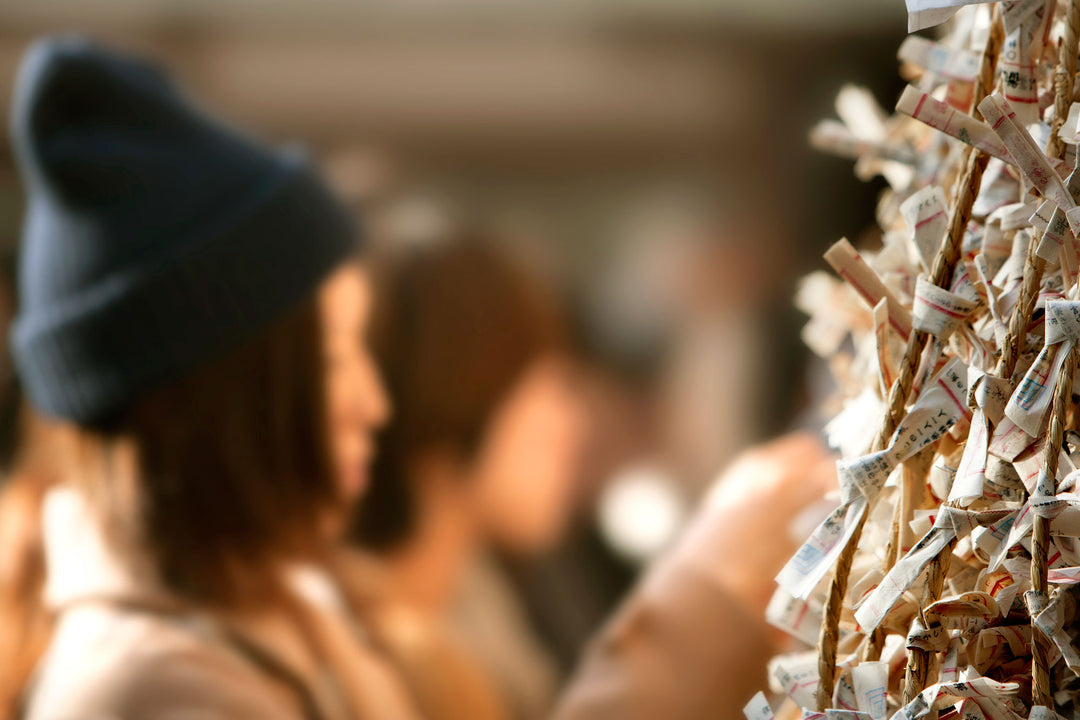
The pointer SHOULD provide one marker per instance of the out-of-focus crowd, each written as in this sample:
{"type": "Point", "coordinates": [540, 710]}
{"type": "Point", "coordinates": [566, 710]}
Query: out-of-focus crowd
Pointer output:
{"type": "Point", "coordinates": [444, 418]}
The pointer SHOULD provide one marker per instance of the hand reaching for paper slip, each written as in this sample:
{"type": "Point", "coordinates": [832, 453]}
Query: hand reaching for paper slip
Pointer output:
{"type": "Point", "coordinates": [742, 535]}
{"type": "Point", "coordinates": [691, 641]}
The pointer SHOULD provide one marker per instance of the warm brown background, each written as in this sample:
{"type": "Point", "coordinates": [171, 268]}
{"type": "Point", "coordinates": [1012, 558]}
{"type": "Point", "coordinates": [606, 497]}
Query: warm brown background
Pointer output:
{"type": "Point", "coordinates": [651, 153]}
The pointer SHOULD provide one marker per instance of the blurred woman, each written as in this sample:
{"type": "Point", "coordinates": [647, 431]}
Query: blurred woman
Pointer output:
{"type": "Point", "coordinates": [187, 335]}
{"type": "Point", "coordinates": [481, 454]}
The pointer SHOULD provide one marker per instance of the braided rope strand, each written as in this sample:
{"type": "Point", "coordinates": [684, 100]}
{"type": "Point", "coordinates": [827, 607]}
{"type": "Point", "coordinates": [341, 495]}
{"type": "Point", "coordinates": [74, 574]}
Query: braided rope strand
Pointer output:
{"type": "Point", "coordinates": [968, 185]}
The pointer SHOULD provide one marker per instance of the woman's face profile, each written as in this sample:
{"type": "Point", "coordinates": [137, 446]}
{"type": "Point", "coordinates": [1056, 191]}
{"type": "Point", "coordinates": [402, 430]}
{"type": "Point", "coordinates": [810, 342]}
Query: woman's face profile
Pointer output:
{"type": "Point", "coordinates": [356, 402]}
{"type": "Point", "coordinates": [524, 474]}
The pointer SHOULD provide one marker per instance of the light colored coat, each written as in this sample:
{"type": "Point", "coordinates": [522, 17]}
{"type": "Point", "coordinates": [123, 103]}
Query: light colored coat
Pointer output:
{"type": "Point", "coordinates": [680, 648]}
{"type": "Point", "coordinates": [123, 650]}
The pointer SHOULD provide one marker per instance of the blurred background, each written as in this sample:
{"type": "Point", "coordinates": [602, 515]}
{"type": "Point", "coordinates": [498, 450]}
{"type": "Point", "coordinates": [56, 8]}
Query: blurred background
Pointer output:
{"type": "Point", "coordinates": [648, 158]}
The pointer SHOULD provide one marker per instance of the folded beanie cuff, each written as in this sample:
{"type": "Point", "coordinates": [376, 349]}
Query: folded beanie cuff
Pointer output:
{"type": "Point", "coordinates": [91, 357]}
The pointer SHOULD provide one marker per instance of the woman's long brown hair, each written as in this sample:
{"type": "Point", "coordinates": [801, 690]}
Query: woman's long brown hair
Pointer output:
{"type": "Point", "coordinates": [25, 625]}
{"type": "Point", "coordinates": [455, 326]}
{"type": "Point", "coordinates": [209, 480]}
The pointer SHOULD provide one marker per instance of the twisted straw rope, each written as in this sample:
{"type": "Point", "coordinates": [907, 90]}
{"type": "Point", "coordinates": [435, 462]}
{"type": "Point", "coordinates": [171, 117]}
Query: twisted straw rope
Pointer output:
{"type": "Point", "coordinates": [1013, 345]}
{"type": "Point", "coordinates": [1040, 538]}
{"type": "Point", "coordinates": [1063, 79]}
{"type": "Point", "coordinates": [944, 262]}
{"type": "Point", "coordinates": [1040, 668]}
{"type": "Point", "coordinates": [919, 659]}
{"type": "Point", "coordinates": [919, 663]}
{"type": "Point", "coordinates": [1035, 265]}
{"type": "Point", "coordinates": [1016, 335]}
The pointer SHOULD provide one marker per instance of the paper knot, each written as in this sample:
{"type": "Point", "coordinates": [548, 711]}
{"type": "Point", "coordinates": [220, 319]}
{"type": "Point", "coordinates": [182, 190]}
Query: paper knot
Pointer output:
{"type": "Point", "coordinates": [1062, 321]}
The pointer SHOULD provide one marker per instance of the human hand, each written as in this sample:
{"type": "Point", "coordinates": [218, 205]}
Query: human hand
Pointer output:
{"type": "Point", "coordinates": [699, 614]}
{"type": "Point", "coordinates": [742, 535]}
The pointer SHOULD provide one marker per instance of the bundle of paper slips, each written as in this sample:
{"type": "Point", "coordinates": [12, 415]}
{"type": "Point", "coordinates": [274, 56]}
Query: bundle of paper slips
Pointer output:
{"type": "Point", "coordinates": [945, 583]}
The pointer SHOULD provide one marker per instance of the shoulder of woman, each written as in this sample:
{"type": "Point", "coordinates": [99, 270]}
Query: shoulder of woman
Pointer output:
{"type": "Point", "coordinates": [147, 666]}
